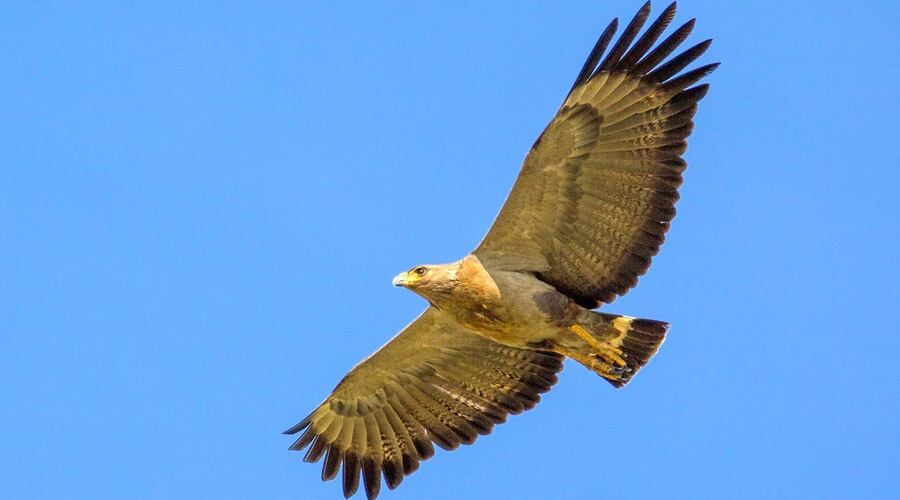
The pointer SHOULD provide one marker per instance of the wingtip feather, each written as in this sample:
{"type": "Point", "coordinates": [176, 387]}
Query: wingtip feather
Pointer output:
{"type": "Point", "coordinates": [303, 424]}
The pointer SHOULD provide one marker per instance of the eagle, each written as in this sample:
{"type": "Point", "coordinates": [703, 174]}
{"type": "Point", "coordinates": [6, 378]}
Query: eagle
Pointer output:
{"type": "Point", "coordinates": [589, 209]}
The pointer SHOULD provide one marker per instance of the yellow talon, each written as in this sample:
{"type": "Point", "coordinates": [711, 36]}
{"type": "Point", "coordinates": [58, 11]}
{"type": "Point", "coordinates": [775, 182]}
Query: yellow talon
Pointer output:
{"type": "Point", "coordinates": [612, 355]}
{"type": "Point", "coordinates": [615, 355]}
{"type": "Point", "coordinates": [598, 363]}
{"type": "Point", "coordinates": [606, 370]}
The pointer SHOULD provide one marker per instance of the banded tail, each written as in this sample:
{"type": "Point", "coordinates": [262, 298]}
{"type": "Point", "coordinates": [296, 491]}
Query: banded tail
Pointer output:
{"type": "Point", "coordinates": [616, 347]}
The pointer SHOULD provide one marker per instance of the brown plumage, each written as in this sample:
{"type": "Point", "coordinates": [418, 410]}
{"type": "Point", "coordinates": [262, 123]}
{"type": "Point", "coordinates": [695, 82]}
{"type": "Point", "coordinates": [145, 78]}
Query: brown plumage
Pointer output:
{"type": "Point", "coordinates": [435, 382]}
{"type": "Point", "coordinates": [598, 189]}
{"type": "Point", "coordinates": [587, 213]}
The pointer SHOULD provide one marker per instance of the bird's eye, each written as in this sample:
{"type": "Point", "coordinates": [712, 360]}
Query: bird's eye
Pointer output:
{"type": "Point", "coordinates": [420, 271]}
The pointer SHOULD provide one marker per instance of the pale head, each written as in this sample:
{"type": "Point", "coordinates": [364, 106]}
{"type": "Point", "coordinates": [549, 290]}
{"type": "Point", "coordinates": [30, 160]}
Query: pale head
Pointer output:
{"type": "Point", "coordinates": [430, 281]}
{"type": "Point", "coordinates": [455, 282]}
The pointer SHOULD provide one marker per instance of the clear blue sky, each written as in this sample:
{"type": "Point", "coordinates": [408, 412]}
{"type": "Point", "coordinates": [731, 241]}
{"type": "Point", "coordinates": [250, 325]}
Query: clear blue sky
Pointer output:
{"type": "Point", "coordinates": [202, 207]}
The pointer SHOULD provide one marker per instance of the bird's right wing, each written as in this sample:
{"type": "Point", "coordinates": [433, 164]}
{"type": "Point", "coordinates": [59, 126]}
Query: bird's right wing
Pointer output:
{"type": "Point", "coordinates": [434, 382]}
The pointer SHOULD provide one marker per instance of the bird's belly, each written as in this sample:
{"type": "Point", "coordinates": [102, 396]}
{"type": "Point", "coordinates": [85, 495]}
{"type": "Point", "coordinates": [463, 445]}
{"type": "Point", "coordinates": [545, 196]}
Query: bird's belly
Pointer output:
{"type": "Point", "coordinates": [504, 326]}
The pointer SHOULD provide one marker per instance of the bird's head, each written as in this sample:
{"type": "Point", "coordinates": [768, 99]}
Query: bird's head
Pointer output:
{"type": "Point", "coordinates": [429, 281]}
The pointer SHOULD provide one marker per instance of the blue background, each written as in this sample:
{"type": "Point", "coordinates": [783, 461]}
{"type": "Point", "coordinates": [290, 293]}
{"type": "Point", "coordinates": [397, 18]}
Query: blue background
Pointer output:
{"type": "Point", "coordinates": [203, 204]}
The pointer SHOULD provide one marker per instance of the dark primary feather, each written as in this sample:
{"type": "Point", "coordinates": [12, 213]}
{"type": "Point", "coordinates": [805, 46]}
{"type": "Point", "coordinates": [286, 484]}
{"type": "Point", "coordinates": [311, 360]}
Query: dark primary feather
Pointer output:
{"type": "Point", "coordinates": [679, 62]}
{"type": "Point", "coordinates": [597, 192]}
{"type": "Point", "coordinates": [631, 31]}
{"type": "Point", "coordinates": [594, 57]}
{"type": "Point", "coordinates": [648, 38]}
{"type": "Point", "coordinates": [434, 383]}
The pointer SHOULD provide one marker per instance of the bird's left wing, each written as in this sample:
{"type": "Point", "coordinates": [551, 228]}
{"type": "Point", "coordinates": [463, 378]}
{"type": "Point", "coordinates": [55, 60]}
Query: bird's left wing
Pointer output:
{"type": "Point", "coordinates": [434, 382]}
{"type": "Point", "coordinates": [598, 188]}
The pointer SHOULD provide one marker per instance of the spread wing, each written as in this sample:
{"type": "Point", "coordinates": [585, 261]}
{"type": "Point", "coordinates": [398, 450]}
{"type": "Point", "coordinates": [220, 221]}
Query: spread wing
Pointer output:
{"type": "Point", "coordinates": [597, 191]}
{"type": "Point", "coordinates": [435, 382]}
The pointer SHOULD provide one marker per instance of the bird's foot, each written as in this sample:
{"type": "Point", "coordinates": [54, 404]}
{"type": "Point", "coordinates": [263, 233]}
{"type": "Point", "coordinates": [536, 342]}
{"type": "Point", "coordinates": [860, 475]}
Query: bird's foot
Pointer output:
{"type": "Point", "coordinates": [610, 364]}
{"type": "Point", "coordinates": [612, 355]}
{"type": "Point", "coordinates": [606, 360]}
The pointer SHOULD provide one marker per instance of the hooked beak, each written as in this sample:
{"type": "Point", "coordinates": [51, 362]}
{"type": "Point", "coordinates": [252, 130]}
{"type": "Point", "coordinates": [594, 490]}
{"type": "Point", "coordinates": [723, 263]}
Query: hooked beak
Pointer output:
{"type": "Point", "coordinates": [399, 280]}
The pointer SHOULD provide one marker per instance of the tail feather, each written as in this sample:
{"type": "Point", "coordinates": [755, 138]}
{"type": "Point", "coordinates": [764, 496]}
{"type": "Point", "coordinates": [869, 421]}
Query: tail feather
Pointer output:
{"type": "Point", "coordinates": [638, 339]}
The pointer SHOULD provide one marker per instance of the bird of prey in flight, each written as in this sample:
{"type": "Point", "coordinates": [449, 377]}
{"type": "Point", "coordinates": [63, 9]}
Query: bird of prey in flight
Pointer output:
{"type": "Point", "coordinates": [589, 209]}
